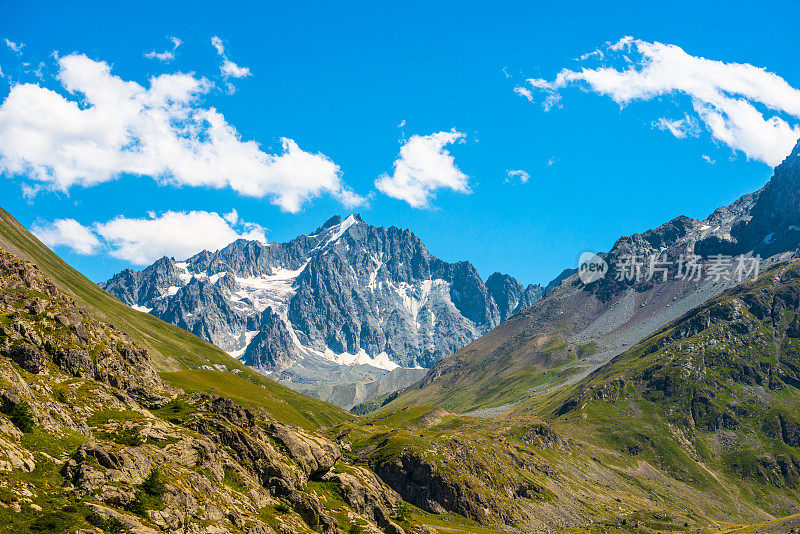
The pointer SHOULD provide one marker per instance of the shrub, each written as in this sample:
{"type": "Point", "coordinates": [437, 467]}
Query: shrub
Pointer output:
{"type": "Point", "coordinates": [57, 521]}
{"type": "Point", "coordinates": [22, 417]}
{"type": "Point", "coordinates": [129, 436]}
{"type": "Point", "coordinates": [112, 525]}
{"type": "Point", "coordinates": [149, 494]}
{"type": "Point", "coordinates": [154, 485]}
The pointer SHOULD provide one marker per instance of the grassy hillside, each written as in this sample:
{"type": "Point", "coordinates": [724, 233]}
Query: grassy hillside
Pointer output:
{"type": "Point", "coordinates": [713, 396]}
{"type": "Point", "coordinates": [175, 353]}
{"type": "Point", "coordinates": [696, 428]}
{"type": "Point", "coordinates": [496, 369]}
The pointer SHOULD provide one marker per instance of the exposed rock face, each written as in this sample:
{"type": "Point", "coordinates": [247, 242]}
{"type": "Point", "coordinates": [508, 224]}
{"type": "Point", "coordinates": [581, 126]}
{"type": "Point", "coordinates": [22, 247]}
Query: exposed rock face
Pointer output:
{"type": "Point", "coordinates": [476, 471]}
{"type": "Point", "coordinates": [358, 488]}
{"type": "Point", "coordinates": [272, 347]}
{"type": "Point", "coordinates": [46, 325]}
{"type": "Point", "coordinates": [509, 294]}
{"type": "Point", "coordinates": [768, 221]}
{"type": "Point", "coordinates": [348, 293]}
{"type": "Point", "coordinates": [82, 388]}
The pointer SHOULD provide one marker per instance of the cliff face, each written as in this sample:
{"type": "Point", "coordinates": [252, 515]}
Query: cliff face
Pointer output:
{"type": "Point", "coordinates": [91, 437]}
{"type": "Point", "coordinates": [331, 312]}
{"type": "Point", "coordinates": [349, 288]}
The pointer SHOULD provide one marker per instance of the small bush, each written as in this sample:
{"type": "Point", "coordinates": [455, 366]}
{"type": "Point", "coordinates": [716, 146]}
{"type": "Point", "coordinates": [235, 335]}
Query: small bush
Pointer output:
{"type": "Point", "coordinates": [112, 525]}
{"type": "Point", "coordinates": [60, 394]}
{"type": "Point", "coordinates": [129, 436]}
{"type": "Point", "coordinates": [7, 496]}
{"type": "Point", "coordinates": [149, 494]}
{"type": "Point", "coordinates": [154, 485]}
{"type": "Point", "coordinates": [56, 521]}
{"type": "Point", "coordinates": [282, 508]}
{"type": "Point", "coordinates": [234, 479]}
{"type": "Point", "coordinates": [139, 505]}
{"type": "Point", "coordinates": [22, 417]}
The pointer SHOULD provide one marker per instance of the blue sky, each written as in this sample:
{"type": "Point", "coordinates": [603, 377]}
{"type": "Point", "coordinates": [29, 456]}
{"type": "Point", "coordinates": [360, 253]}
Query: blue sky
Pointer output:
{"type": "Point", "coordinates": [338, 79]}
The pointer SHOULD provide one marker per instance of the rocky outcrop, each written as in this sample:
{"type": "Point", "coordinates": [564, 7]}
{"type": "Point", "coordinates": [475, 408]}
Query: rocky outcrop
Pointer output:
{"type": "Point", "coordinates": [84, 392]}
{"type": "Point", "coordinates": [44, 325]}
{"type": "Point", "coordinates": [369, 496]}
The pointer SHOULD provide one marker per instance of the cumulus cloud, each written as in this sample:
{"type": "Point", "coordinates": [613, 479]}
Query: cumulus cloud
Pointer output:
{"type": "Point", "coordinates": [15, 47]}
{"type": "Point", "coordinates": [166, 55]}
{"type": "Point", "coordinates": [232, 217]}
{"type": "Point", "coordinates": [228, 67]}
{"type": "Point", "coordinates": [177, 234]}
{"type": "Point", "coordinates": [518, 174]}
{"type": "Point", "coordinates": [728, 98]}
{"type": "Point", "coordinates": [424, 165]}
{"type": "Point", "coordinates": [108, 126]}
{"type": "Point", "coordinates": [69, 233]}
{"type": "Point", "coordinates": [142, 241]}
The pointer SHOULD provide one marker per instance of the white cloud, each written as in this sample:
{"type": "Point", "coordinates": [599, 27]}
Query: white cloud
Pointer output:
{"type": "Point", "coordinates": [216, 42]}
{"type": "Point", "coordinates": [525, 92]}
{"type": "Point", "coordinates": [228, 67]}
{"type": "Point", "coordinates": [176, 234]}
{"type": "Point", "coordinates": [594, 53]}
{"type": "Point", "coordinates": [15, 47]}
{"type": "Point", "coordinates": [142, 241]}
{"type": "Point", "coordinates": [231, 217]}
{"type": "Point", "coordinates": [680, 128]}
{"type": "Point", "coordinates": [519, 174]}
{"type": "Point", "coordinates": [423, 167]}
{"type": "Point", "coordinates": [727, 97]}
{"type": "Point", "coordinates": [402, 123]}
{"type": "Point", "coordinates": [109, 126]}
{"type": "Point", "coordinates": [69, 233]}
{"type": "Point", "coordinates": [708, 159]}
{"type": "Point", "coordinates": [166, 55]}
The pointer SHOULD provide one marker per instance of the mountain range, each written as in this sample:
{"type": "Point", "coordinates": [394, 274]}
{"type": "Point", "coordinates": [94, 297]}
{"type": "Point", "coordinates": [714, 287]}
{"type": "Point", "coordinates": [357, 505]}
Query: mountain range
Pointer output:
{"type": "Point", "coordinates": [625, 404]}
{"type": "Point", "coordinates": [578, 328]}
{"type": "Point", "coordinates": [330, 313]}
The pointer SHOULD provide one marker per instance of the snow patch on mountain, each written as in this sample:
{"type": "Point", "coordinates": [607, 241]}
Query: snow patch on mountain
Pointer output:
{"type": "Point", "coordinates": [350, 294]}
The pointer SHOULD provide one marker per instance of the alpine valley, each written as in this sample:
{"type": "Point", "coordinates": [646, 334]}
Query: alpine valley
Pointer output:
{"type": "Point", "coordinates": [651, 405]}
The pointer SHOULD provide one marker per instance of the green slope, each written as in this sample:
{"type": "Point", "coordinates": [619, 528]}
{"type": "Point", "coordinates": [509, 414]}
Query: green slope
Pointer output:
{"type": "Point", "coordinates": [503, 366]}
{"type": "Point", "coordinates": [175, 353]}
{"type": "Point", "coordinates": [696, 428]}
{"type": "Point", "coordinates": [713, 396]}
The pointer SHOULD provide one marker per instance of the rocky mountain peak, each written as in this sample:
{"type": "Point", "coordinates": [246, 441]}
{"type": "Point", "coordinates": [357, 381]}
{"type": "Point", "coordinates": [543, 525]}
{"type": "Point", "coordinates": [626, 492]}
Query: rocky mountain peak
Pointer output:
{"type": "Point", "coordinates": [347, 294]}
{"type": "Point", "coordinates": [333, 221]}
{"type": "Point", "coordinates": [510, 295]}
